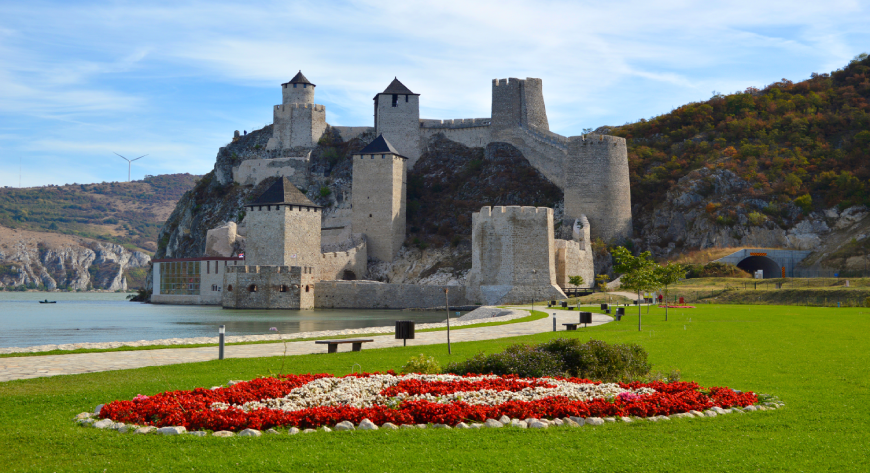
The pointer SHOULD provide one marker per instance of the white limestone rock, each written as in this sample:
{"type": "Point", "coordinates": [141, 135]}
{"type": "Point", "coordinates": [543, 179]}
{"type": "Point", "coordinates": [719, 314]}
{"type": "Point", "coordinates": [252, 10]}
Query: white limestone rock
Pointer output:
{"type": "Point", "coordinates": [475, 426]}
{"type": "Point", "coordinates": [461, 425]}
{"type": "Point", "coordinates": [308, 431]}
{"type": "Point", "coordinates": [325, 429]}
{"type": "Point", "coordinates": [367, 425]}
{"type": "Point", "coordinates": [145, 430]}
{"type": "Point", "coordinates": [273, 432]}
{"type": "Point", "coordinates": [537, 424]}
{"type": "Point", "coordinates": [344, 425]}
{"type": "Point", "coordinates": [519, 423]}
{"type": "Point", "coordinates": [84, 415]}
{"type": "Point", "coordinates": [104, 424]}
{"type": "Point", "coordinates": [421, 426]}
{"type": "Point", "coordinates": [609, 419]}
{"type": "Point", "coordinates": [98, 409]}
{"type": "Point", "coordinates": [710, 413]}
{"type": "Point", "coordinates": [578, 420]}
{"type": "Point", "coordinates": [594, 421]}
{"type": "Point", "coordinates": [697, 413]}
{"type": "Point", "coordinates": [626, 419]}
{"type": "Point", "coordinates": [493, 424]}
{"type": "Point", "coordinates": [87, 421]}
{"type": "Point", "coordinates": [293, 431]}
{"type": "Point", "coordinates": [443, 426]}
{"type": "Point", "coordinates": [505, 420]}
{"type": "Point", "coordinates": [389, 426]}
{"type": "Point", "coordinates": [173, 430]}
{"type": "Point", "coordinates": [198, 433]}
{"type": "Point", "coordinates": [407, 426]}
{"type": "Point", "coordinates": [557, 422]}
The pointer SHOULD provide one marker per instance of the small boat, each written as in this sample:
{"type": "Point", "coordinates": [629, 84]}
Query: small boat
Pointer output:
{"type": "Point", "coordinates": [48, 302]}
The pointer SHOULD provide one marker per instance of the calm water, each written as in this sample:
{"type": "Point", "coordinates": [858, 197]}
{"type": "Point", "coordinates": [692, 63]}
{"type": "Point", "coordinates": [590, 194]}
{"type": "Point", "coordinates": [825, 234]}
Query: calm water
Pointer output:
{"type": "Point", "coordinates": [107, 317]}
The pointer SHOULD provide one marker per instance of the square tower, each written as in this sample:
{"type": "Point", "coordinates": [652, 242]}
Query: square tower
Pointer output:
{"type": "Point", "coordinates": [397, 117]}
{"type": "Point", "coordinates": [283, 228]}
{"type": "Point", "coordinates": [379, 186]}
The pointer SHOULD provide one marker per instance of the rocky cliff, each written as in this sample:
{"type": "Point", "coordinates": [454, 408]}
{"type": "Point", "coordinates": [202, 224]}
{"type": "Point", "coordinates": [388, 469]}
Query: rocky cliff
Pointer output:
{"type": "Point", "coordinates": [48, 261]}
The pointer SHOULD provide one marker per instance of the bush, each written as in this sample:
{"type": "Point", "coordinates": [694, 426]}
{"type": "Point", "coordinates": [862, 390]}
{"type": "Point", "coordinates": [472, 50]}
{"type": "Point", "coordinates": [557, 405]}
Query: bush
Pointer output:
{"type": "Point", "coordinates": [521, 359]}
{"type": "Point", "coordinates": [715, 270]}
{"type": "Point", "coordinates": [422, 364]}
{"type": "Point", "coordinates": [562, 357]}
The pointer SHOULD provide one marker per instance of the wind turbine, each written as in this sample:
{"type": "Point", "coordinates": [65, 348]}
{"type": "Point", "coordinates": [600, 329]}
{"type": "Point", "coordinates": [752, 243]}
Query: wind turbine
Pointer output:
{"type": "Point", "coordinates": [130, 164]}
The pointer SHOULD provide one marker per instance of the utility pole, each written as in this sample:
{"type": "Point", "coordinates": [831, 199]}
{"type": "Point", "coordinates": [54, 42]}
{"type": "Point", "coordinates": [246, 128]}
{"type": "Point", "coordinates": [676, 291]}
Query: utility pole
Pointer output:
{"type": "Point", "coordinates": [130, 164]}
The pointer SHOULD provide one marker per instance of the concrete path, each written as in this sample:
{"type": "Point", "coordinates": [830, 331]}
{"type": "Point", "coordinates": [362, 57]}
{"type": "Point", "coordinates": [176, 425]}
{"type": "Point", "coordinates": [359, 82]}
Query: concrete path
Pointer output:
{"type": "Point", "coordinates": [53, 365]}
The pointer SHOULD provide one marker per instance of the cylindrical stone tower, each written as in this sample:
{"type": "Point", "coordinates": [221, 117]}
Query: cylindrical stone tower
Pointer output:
{"type": "Point", "coordinates": [597, 185]}
{"type": "Point", "coordinates": [298, 90]}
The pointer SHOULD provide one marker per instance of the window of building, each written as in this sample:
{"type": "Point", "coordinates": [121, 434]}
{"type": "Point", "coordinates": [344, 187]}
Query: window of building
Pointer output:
{"type": "Point", "coordinates": [208, 268]}
{"type": "Point", "coordinates": [252, 288]}
{"type": "Point", "coordinates": [180, 277]}
{"type": "Point", "coordinates": [406, 99]}
{"type": "Point", "coordinates": [230, 288]}
{"type": "Point", "coordinates": [284, 288]}
{"type": "Point", "coordinates": [304, 86]}
{"type": "Point", "coordinates": [294, 86]}
{"type": "Point", "coordinates": [383, 156]}
{"type": "Point", "coordinates": [307, 288]}
{"type": "Point", "coordinates": [395, 100]}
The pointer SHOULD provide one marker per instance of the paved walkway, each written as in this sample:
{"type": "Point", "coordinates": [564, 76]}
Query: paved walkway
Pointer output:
{"type": "Point", "coordinates": [53, 365]}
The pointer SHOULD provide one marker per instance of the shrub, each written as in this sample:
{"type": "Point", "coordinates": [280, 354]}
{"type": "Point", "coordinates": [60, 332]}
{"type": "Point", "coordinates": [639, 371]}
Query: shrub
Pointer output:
{"type": "Point", "coordinates": [520, 359]}
{"type": "Point", "coordinates": [422, 364]}
{"type": "Point", "coordinates": [324, 191]}
{"type": "Point", "coordinates": [598, 360]}
{"type": "Point", "coordinates": [805, 202]}
{"type": "Point", "coordinates": [755, 218]}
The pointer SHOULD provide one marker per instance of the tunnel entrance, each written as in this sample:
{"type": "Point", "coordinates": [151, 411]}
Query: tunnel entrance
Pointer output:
{"type": "Point", "coordinates": [770, 267]}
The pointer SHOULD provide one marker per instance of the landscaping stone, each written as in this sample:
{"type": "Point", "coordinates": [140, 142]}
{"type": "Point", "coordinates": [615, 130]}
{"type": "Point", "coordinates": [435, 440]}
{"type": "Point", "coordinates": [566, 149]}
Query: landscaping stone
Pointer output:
{"type": "Point", "coordinates": [407, 426]}
{"type": "Point", "coordinates": [578, 420]}
{"type": "Point", "coordinates": [443, 426]}
{"type": "Point", "coordinates": [104, 424]}
{"type": "Point", "coordinates": [367, 425]}
{"type": "Point", "coordinates": [627, 419]}
{"type": "Point", "coordinates": [84, 415]}
{"type": "Point", "coordinates": [697, 413]}
{"type": "Point", "coordinates": [118, 425]}
{"type": "Point", "coordinates": [224, 433]}
{"type": "Point", "coordinates": [421, 426]}
{"type": "Point", "coordinates": [710, 413]}
{"type": "Point", "coordinates": [475, 426]}
{"type": "Point", "coordinates": [98, 409]}
{"type": "Point", "coordinates": [737, 410]}
{"type": "Point", "coordinates": [273, 432]}
{"type": "Point", "coordinates": [537, 424]}
{"type": "Point", "coordinates": [492, 423]}
{"type": "Point", "coordinates": [750, 408]}
{"type": "Point", "coordinates": [719, 410]}
{"type": "Point", "coordinates": [389, 426]}
{"type": "Point", "coordinates": [681, 415]}
{"type": "Point", "coordinates": [325, 429]}
{"type": "Point", "coordinates": [652, 419]}
{"type": "Point", "coordinates": [762, 408]}
{"type": "Point", "coordinates": [519, 423]}
{"type": "Point", "coordinates": [250, 433]}
{"type": "Point", "coordinates": [293, 431]}
{"type": "Point", "coordinates": [461, 425]}
{"type": "Point", "coordinates": [594, 421]}
{"type": "Point", "coordinates": [87, 421]}
{"type": "Point", "coordinates": [609, 419]}
{"type": "Point", "coordinates": [198, 433]}
{"type": "Point", "coordinates": [557, 422]}
{"type": "Point", "coordinates": [345, 425]}
{"type": "Point", "coordinates": [173, 430]}
{"type": "Point", "coordinates": [233, 381]}
{"type": "Point", "coordinates": [505, 420]}
{"type": "Point", "coordinates": [128, 428]}
{"type": "Point", "coordinates": [308, 431]}
{"type": "Point", "coordinates": [145, 430]}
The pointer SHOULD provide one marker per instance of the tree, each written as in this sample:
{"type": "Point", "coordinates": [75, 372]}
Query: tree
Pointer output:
{"type": "Point", "coordinates": [669, 274]}
{"type": "Point", "coordinates": [575, 280]}
{"type": "Point", "coordinates": [638, 273]}
{"type": "Point", "coordinates": [601, 281]}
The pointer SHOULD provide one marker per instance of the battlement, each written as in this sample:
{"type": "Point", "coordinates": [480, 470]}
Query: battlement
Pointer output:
{"type": "Point", "coordinates": [344, 254]}
{"type": "Point", "coordinates": [455, 123]}
{"type": "Point", "coordinates": [509, 82]}
{"type": "Point", "coordinates": [518, 103]}
{"type": "Point", "coordinates": [292, 270]}
{"type": "Point", "coordinates": [593, 140]}
{"type": "Point", "coordinates": [313, 106]}
{"type": "Point", "coordinates": [515, 212]}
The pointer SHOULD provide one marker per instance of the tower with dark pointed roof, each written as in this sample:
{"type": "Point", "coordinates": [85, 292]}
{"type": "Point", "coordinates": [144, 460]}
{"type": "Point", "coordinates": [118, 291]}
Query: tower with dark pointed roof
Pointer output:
{"type": "Point", "coordinates": [283, 228]}
{"type": "Point", "coordinates": [298, 122]}
{"type": "Point", "coordinates": [378, 199]}
{"type": "Point", "coordinates": [397, 118]}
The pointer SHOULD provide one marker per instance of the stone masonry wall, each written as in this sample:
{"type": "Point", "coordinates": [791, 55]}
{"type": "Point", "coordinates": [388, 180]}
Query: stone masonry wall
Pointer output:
{"type": "Point", "coordinates": [597, 184]}
{"type": "Point", "coordinates": [377, 295]}
{"type": "Point", "coordinates": [472, 136]}
{"type": "Point", "coordinates": [297, 125]}
{"type": "Point", "coordinates": [379, 183]}
{"type": "Point", "coordinates": [253, 171]}
{"type": "Point", "coordinates": [573, 261]}
{"type": "Point", "coordinates": [400, 125]}
{"type": "Point", "coordinates": [268, 287]}
{"type": "Point", "coordinates": [513, 257]}
{"type": "Point", "coordinates": [334, 264]}
{"type": "Point", "coordinates": [302, 93]}
{"type": "Point", "coordinates": [283, 235]}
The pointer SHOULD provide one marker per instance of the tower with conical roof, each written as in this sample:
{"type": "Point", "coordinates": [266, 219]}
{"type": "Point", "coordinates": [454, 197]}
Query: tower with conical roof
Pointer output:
{"type": "Point", "coordinates": [298, 122]}
{"type": "Point", "coordinates": [378, 199]}
{"type": "Point", "coordinates": [397, 118]}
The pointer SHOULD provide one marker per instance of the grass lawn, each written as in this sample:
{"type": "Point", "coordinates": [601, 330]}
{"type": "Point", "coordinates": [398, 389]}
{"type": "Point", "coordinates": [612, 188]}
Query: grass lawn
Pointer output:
{"type": "Point", "coordinates": [817, 360]}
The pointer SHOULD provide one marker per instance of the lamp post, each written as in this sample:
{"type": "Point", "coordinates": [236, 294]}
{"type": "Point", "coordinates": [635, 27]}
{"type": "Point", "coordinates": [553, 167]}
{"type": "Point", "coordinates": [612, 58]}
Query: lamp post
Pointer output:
{"type": "Point", "coordinates": [221, 330]}
{"type": "Point", "coordinates": [534, 274]}
{"type": "Point", "coordinates": [447, 307]}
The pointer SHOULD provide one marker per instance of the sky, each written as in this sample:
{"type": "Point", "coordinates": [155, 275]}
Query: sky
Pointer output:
{"type": "Point", "coordinates": [82, 80]}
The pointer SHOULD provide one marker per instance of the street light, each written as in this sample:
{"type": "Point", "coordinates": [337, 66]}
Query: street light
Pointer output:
{"type": "Point", "coordinates": [534, 274]}
{"type": "Point", "coordinates": [221, 330]}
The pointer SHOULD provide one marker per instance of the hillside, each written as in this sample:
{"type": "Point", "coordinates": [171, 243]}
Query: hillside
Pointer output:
{"type": "Point", "coordinates": [125, 213]}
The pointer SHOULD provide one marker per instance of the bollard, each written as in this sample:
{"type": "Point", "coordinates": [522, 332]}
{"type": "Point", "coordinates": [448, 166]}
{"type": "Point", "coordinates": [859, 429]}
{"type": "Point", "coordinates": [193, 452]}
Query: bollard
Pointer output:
{"type": "Point", "coordinates": [554, 321]}
{"type": "Point", "coordinates": [221, 342]}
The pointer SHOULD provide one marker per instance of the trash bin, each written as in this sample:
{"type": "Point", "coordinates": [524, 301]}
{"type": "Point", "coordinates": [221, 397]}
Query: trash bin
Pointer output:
{"type": "Point", "coordinates": [620, 312]}
{"type": "Point", "coordinates": [564, 303]}
{"type": "Point", "coordinates": [405, 330]}
{"type": "Point", "coordinates": [604, 306]}
{"type": "Point", "coordinates": [585, 317]}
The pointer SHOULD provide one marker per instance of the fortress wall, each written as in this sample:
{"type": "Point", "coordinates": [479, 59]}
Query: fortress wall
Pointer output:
{"type": "Point", "coordinates": [350, 132]}
{"type": "Point", "coordinates": [513, 258]}
{"type": "Point", "coordinates": [377, 295]}
{"type": "Point", "coordinates": [597, 184]}
{"type": "Point", "coordinates": [334, 264]}
{"type": "Point", "coordinates": [302, 93]}
{"type": "Point", "coordinates": [400, 125]}
{"type": "Point", "coordinates": [268, 287]}
{"type": "Point", "coordinates": [297, 124]}
{"type": "Point", "coordinates": [546, 155]}
{"type": "Point", "coordinates": [571, 260]}
{"type": "Point", "coordinates": [476, 136]}
{"type": "Point", "coordinates": [534, 112]}
{"type": "Point", "coordinates": [506, 103]}
{"type": "Point", "coordinates": [253, 171]}
{"type": "Point", "coordinates": [379, 203]}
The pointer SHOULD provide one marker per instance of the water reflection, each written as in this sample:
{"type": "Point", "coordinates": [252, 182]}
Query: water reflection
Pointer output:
{"type": "Point", "coordinates": [102, 317]}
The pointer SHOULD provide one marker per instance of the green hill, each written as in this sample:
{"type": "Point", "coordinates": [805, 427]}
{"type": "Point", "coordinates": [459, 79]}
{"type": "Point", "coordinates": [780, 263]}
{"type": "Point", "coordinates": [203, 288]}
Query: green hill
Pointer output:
{"type": "Point", "coordinates": [127, 213]}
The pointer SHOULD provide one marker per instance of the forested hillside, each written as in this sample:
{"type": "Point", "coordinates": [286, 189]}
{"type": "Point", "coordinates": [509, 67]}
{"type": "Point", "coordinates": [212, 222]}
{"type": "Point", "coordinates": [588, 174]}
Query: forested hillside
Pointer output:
{"type": "Point", "coordinates": [806, 143]}
{"type": "Point", "coordinates": [128, 213]}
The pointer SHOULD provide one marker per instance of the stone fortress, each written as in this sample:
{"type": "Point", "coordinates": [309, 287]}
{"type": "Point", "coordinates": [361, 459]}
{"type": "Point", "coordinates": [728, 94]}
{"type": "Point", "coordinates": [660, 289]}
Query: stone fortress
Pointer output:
{"type": "Point", "coordinates": [291, 259]}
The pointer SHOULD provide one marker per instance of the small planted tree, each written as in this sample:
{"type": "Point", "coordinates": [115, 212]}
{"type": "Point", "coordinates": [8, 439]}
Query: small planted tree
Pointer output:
{"type": "Point", "coordinates": [669, 274]}
{"type": "Point", "coordinates": [639, 273]}
{"type": "Point", "coordinates": [576, 280]}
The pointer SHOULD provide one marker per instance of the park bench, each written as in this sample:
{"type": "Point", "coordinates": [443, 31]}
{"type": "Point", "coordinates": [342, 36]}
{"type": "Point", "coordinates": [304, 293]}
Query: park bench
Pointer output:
{"type": "Point", "coordinates": [333, 344]}
{"type": "Point", "coordinates": [571, 326]}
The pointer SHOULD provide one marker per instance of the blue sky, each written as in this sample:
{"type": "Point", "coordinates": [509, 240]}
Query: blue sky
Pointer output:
{"type": "Point", "coordinates": [80, 80]}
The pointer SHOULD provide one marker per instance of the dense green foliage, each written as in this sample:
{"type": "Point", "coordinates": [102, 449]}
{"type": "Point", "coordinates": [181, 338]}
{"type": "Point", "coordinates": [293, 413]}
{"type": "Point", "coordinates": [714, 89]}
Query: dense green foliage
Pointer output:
{"type": "Point", "coordinates": [118, 212]}
{"type": "Point", "coordinates": [807, 142]}
{"type": "Point", "coordinates": [594, 360]}
{"type": "Point", "coordinates": [814, 359]}
{"type": "Point", "coordinates": [715, 269]}
{"type": "Point", "coordinates": [422, 364]}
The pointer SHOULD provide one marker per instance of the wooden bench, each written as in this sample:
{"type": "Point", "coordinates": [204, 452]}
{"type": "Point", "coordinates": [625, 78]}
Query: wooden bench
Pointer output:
{"type": "Point", "coordinates": [571, 326]}
{"type": "Point", "coordinates": [333, 344]}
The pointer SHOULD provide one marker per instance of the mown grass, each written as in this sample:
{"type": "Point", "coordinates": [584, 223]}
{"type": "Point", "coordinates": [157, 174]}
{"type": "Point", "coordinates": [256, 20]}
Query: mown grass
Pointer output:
{"type": "Point", "coordinates": [534, 316]}
{"type": "Point", "coordinates": [817, 360]}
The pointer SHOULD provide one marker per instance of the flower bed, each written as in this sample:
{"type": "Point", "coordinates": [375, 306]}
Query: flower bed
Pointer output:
{"type": "Point", "coordinates": [311, 401]}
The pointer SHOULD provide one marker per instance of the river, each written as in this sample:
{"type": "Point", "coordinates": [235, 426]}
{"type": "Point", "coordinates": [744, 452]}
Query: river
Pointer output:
{"type": "Point", "coordinates": [109, 317]}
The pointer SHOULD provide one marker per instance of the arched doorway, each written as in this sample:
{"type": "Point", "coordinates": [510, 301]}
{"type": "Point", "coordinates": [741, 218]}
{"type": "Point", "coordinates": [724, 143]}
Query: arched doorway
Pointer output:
{"type": "Point", "coordinates": [348, 275]}
{"type": "Point", "coordinates": [770, 267]}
